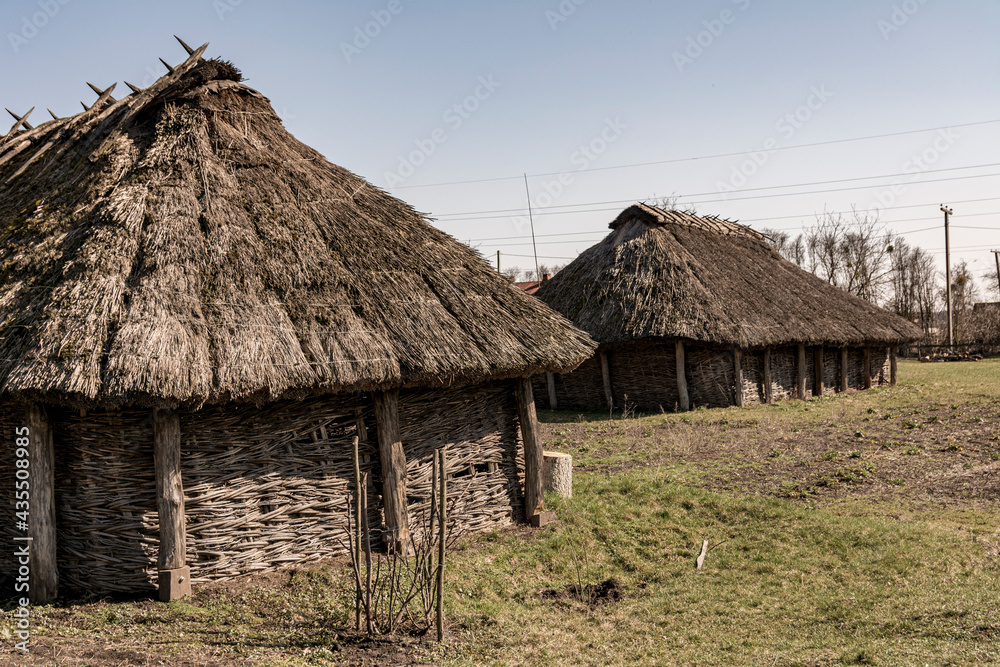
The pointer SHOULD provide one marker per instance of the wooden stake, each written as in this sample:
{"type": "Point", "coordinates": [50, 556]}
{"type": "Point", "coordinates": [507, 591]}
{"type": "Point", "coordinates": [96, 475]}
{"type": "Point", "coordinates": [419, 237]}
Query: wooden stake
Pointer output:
{"type": "Point", "coordinates": [768, 396]}
{"type": "Point", "coordinates": [868, 368]}
{"type": "Point", "coordinates": [682, 385]}
{"type": "Point", "coordinates": [356, 538]}
{"type": "Point", "coordinates": [800, 389]}
{"type": "Point", "coordinates": [393, 461]}
{"type": "Point", "coordinates": [892, 366]}
{"type": "Point", "coordinates": [442, 539]}
{"type": "Point", "coordinates": [44, 584]}
{"type": "Point", "coordinates": [701, 556]}
{"type": "Point", "coordinates": [738, 374]}
{"type": "Point", "coordinates": [843, 369]}
{"type": "Point", "coordinates": [818, 385]}
{"type": "Point", "coordinates": [550, 379]}
{"type": "Point", "coordinates": [366, 529]}
{"type": "Point", "coordinates": [175, 579]}
{"type": "Point", "coordinates": [534, 498]}
{"type": "Point", "coordinates": [606, 376]}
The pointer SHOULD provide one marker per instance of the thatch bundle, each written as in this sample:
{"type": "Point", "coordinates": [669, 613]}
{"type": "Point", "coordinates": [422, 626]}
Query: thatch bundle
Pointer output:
{"type": "Point", "coordinates": [719, 288]}
{"type": "Point", "coordinates": [183, 281]}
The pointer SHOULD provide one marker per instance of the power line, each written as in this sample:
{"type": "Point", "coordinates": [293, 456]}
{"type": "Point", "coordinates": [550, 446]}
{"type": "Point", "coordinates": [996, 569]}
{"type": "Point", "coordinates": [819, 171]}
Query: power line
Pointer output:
{"type": "Point", "coordinates": [548, 210]}
{"type": "Point", "coordinates": [702, 157]}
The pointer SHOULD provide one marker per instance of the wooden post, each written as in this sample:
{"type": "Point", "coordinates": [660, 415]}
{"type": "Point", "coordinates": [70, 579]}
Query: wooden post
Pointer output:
{"type": "Point", "coordinates": [738, 374]}
{"type": "Point", "coordinates": [801, 385]}
{"type": "Point", "coordinates": [550, 379]}
{"type": "Point", "coordinates": [534, 498]}
{"type": "Point", "coordinates": [868, 368]}
{"type": "Point", "coordinates": [892, 366]}
{"type": "Point", "coordinates": [843, 368]}
{"type": "Point", "coordinates": [356, 537]}
{"type": "Point", "coordinates": [44, 585]}
{"type": "Point", "coordinates": [606, 375]}
{"type": "Point", "coordinates": [682, 385]}
{"type": "Point", "coordinates": [768, 396]}
{"type": "Point", "coordinates": [174, 576]}
{"type": "Point", "coordinates": [393, 460]}
{"type": "Point", "coordinates": [818, 386]}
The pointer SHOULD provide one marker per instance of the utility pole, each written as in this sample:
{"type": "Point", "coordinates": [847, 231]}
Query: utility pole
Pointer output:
{"type": "Point", "coordinates": [996, 255]}
{"type": "Point", "coordinates": [947, 276]}
{"type": "Point", "coordinates": [531, 219]}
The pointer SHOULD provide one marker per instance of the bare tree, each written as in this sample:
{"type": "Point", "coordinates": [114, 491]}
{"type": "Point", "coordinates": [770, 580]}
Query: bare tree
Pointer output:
{"type": "Point", "coordinates": [964, 294]}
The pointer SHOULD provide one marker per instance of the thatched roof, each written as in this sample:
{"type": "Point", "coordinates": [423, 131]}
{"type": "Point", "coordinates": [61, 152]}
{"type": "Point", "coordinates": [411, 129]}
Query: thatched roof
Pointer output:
{"type": "Point", "coordinates": [678, 275]}
{"type": "Point", "coordinates": [180, 246]}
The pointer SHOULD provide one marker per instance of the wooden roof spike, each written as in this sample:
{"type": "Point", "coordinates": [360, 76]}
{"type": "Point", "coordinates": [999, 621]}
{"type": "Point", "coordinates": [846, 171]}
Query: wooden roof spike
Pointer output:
{"type": "Point", "coordinates": [105, 96]}
{"type": "Point", "coordinates": [135, 89]}
{"type": "Point", "coordinates": [186, 47]}
{"type": "Point", "coordinates": [22, 121]}
{"type": "Point", "coordinates": [101, 92]}
{"type": "Point", "coordinates": [51, 113]}
{"type": "Point", "coordinates": [166, 65]}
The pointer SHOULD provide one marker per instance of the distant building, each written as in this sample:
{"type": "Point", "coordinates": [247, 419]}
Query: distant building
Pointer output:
{"type": "Point", "coordinates": [695, 311]}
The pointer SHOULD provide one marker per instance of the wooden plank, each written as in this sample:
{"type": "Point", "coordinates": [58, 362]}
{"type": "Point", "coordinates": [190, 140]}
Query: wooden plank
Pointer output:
{"type": "Point", "coordinates": [868, 368]}
{"type": "Point", "coordinates": [768, 395]}
{"type": "Point", "coordinates": [800, 389]}
{"type": "Point", "coordinates": [393, 460]}
{"type": "Point", "coordinates": [818, 386]}
{"type": "Point", "coordinates": [738, 375]}
{"type": "Point", "coordinates": [169, 489]}
{"type": "Point", "coordinates": [606, 375]}
{"type": "Point", "coordinates": [682, 385]}
{"type": "Point", "coordinates": [44, 585]}
{"type": "Point", "coordinates": [892, 366]}
{"type": "Point", "coordinates": [534, 498]}
{"type": "Point", "coordinates": [550, 379]}
{"type": "Point", "coordinates": [843, 369]}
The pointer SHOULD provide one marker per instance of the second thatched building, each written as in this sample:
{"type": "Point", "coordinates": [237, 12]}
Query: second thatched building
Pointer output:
{"type": "Point", "coordinates": [694, 311]}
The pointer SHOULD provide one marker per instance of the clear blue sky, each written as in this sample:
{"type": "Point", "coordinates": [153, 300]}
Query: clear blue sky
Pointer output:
{"type": "Point", "coordinates": [636, 81]}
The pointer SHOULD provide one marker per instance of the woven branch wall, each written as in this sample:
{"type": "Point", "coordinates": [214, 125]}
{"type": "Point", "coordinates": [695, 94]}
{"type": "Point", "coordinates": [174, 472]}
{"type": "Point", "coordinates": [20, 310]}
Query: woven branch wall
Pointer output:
{"type": "Point", "coordinates": [264, 487]}
{"type": "Point", "coordinates": [583, 389]}
{"type": "Point", "coordinates": [644, 375]}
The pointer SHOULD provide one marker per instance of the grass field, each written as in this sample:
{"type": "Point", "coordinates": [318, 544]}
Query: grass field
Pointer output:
{"type": "Point", "coordinates": [850, 529]}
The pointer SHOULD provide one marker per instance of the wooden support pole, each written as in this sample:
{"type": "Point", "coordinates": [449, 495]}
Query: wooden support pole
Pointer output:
{"type": "Point", "coordinates": [550, 379]}
{"type": "Point", "coordinates": [818, 385]}
{"type": "Point", "coordinates": [868, 368]}
{"type": "Point", "coordinates": [738, 375]}
{"type": "Point", "coordinates": [534, 498]}
{"type": "Point", "coordinates": [606, 376]}
{"type": "Point", "coordinates": [682, 385]}
{"type": "Point", "coordinates": [393, 460]}
{"type": "Point", "coordinates": [768, 395]}
{"type": "Point", "coordinates": [892, 366]}
{"type": "Point", "coordinates": [174, 576]}
{"type": "Point", "coordinates": [44, 584]}
{"type": "Point", "coordinates": [800, 389]}
{"type": "Point", "coordinates": [843, 369]}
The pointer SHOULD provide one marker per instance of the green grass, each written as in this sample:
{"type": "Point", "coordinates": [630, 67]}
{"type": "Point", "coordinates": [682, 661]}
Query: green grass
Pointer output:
{"type": "Point", "coordinates": [783, 584]}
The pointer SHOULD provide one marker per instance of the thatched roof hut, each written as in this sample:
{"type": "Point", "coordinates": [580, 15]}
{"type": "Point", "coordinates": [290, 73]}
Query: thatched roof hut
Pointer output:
{"type": "Point", "coordinates": [665, 280]}
{"type": "Point", "coordinates": [184, 280]}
